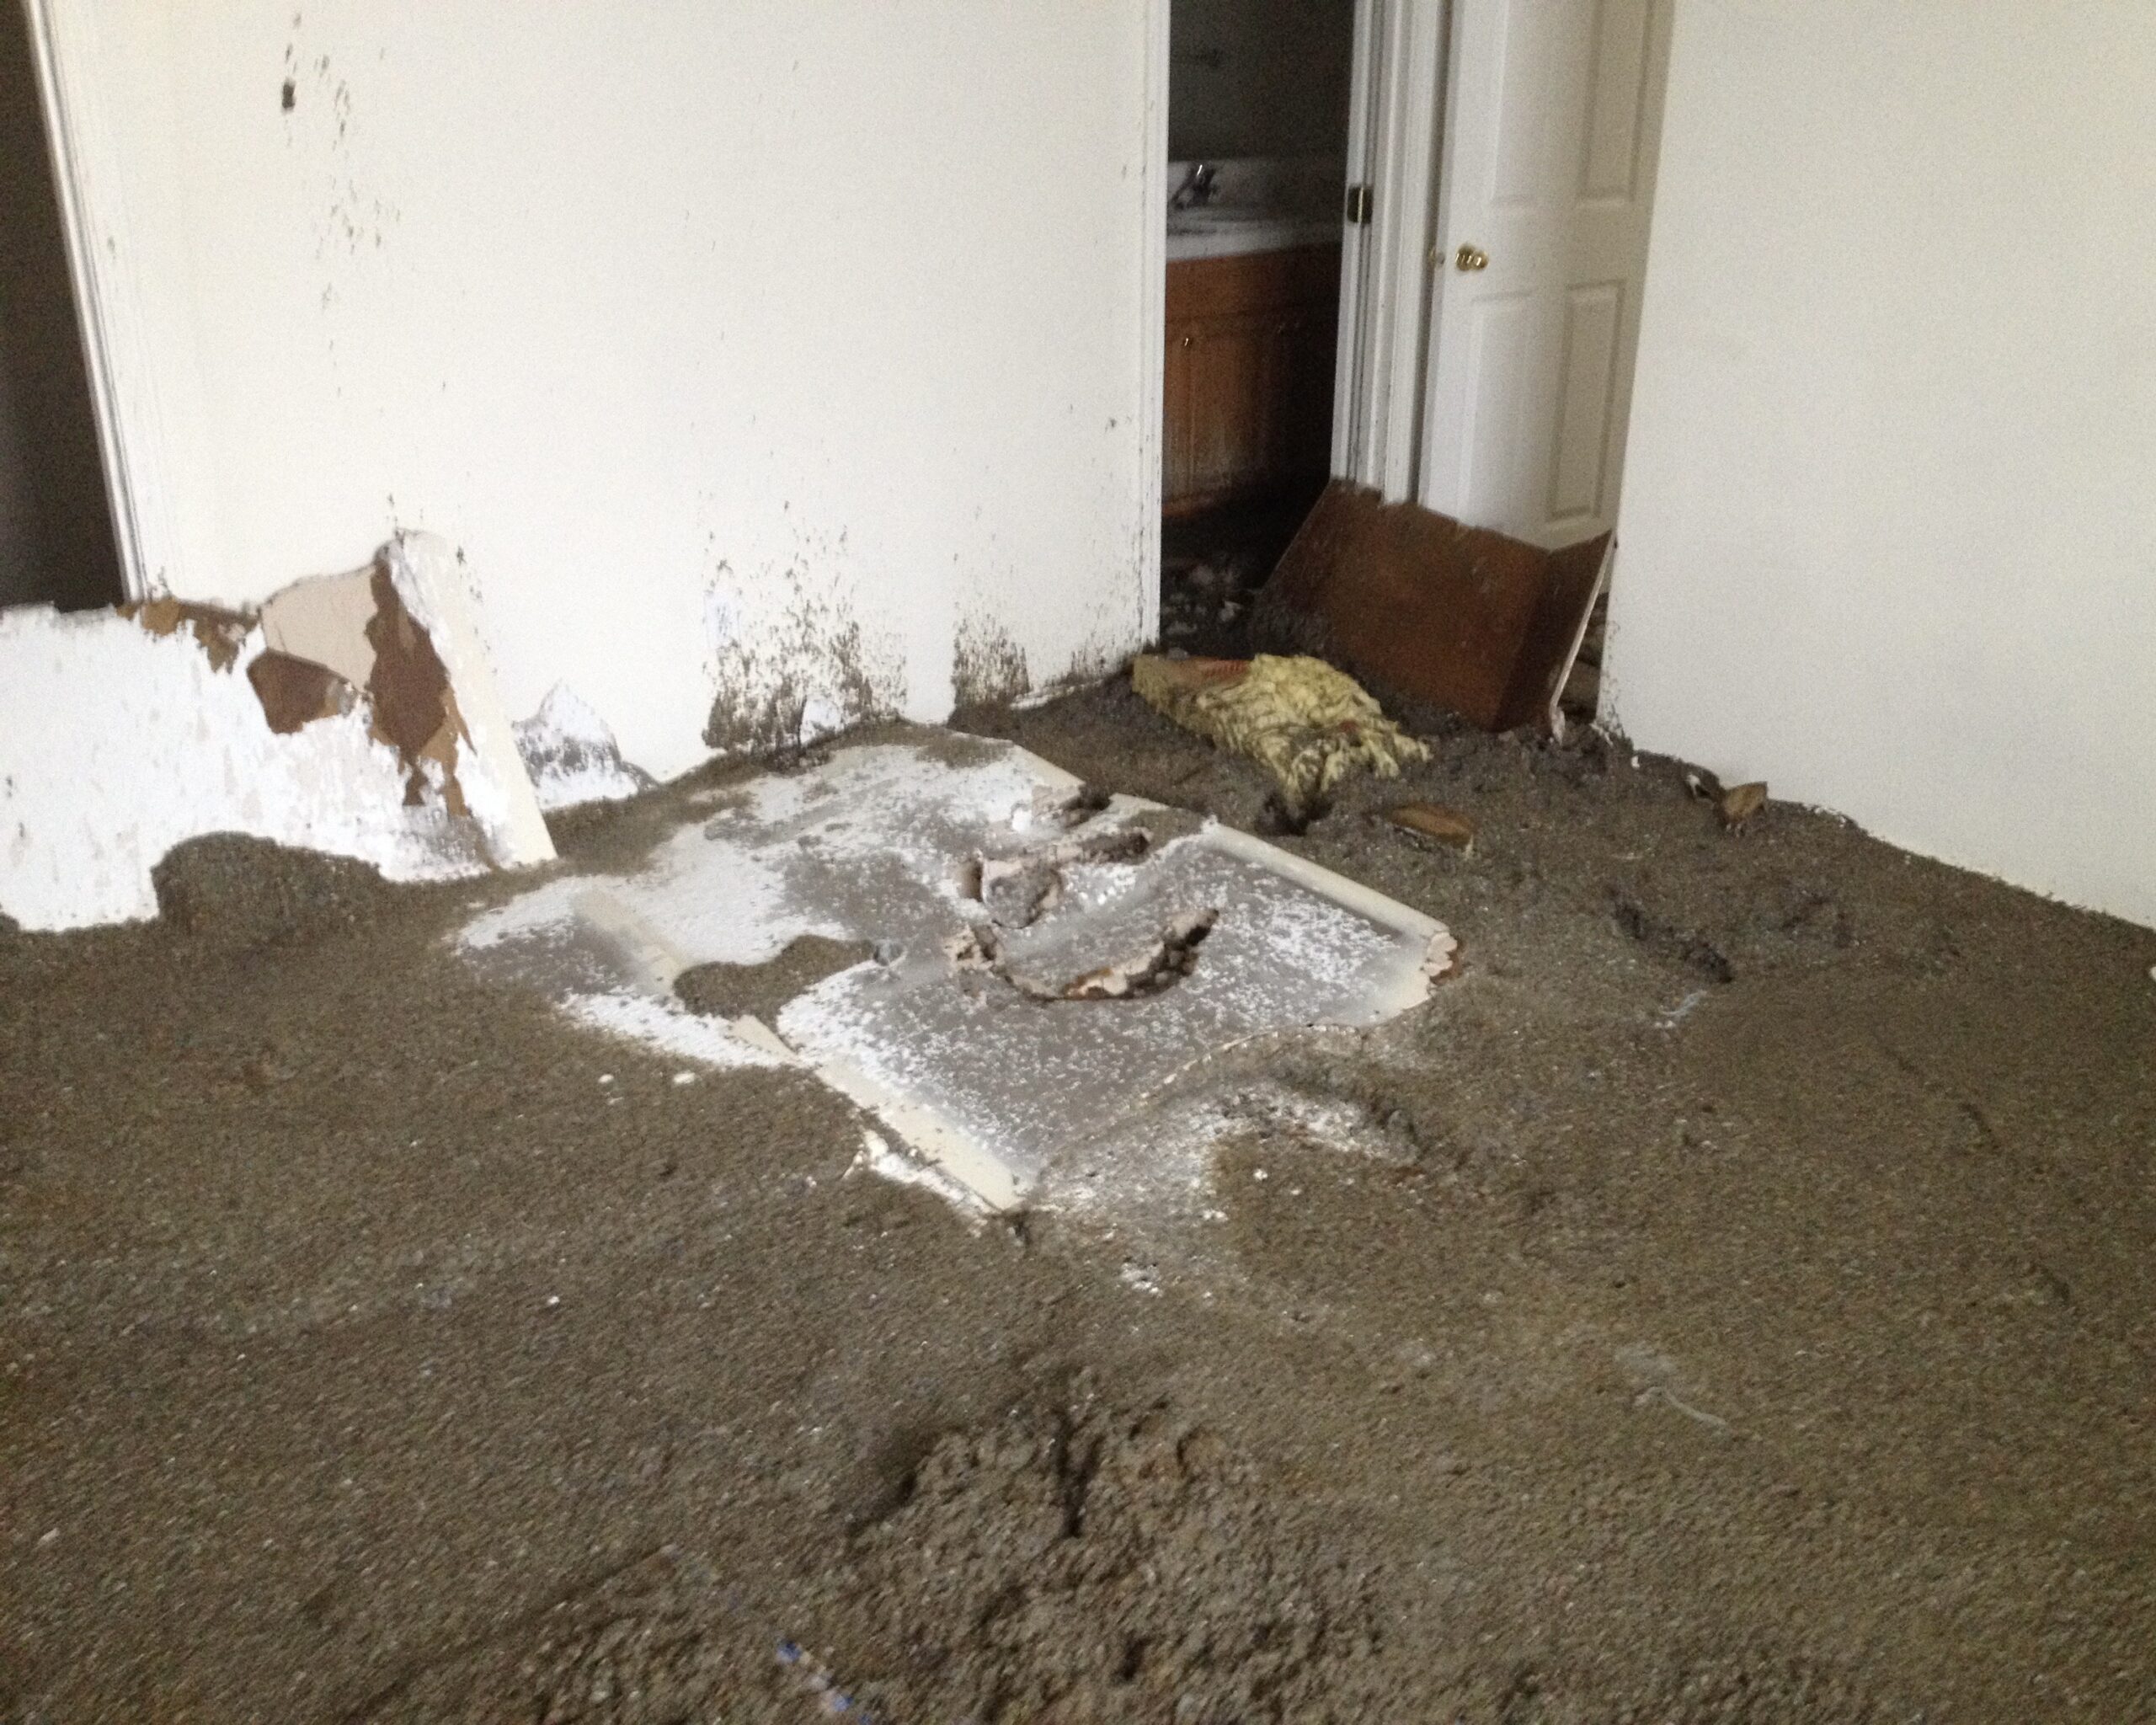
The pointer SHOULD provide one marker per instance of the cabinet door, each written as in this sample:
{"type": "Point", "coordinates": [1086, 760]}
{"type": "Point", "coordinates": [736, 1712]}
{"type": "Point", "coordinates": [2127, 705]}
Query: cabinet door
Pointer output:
{"type": "Point", "coordinates": [1230, 361]}
{"type": "Point", "coordinates": [1176, 411]}
{"type": "Point", "coordinates": [1299, 395]}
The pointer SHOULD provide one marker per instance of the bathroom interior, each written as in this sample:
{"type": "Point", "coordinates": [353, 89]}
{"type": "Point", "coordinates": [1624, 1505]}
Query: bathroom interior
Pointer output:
{"type": "Point", "coordinates": [1258, 128]}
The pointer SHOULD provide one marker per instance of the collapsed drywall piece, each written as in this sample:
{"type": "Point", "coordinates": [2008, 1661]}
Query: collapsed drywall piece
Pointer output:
{"type": "Point", "coordinates": [123, 733]}
{"type": "Point", "coordinates": [1477, 622]}
{"type": "Point", "coordinates": [324, 620]}
{"type": "Point", "coordinates": [1044, 963]}
{"type": "Point", "coordinates": [571, 755]}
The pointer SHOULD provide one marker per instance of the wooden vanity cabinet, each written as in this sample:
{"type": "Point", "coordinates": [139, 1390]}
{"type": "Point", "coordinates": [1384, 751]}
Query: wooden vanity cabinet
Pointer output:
{"type": "Point", "coordinates": [1248, 401]}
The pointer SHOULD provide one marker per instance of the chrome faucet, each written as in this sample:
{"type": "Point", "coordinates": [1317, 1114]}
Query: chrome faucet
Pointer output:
{"type": "Point", "coordinates": [1197, 188]}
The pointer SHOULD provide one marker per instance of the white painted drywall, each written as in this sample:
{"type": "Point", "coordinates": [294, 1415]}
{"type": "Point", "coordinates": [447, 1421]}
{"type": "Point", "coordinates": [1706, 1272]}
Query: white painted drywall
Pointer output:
{"type": "Point", "coordinates": [1888, 538]}
{"type": "Point", "coordinates": [116, 743]}
{"type": "Point", "coordinates": [724, 336]}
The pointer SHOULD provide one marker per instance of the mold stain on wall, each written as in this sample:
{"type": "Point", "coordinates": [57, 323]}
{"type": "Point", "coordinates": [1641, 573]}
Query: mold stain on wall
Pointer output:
{"type": "Point", "coordinates": [350, 220]}
{"type": "Point", "coordinates": [987, 666]}
{"type": "Point", "coordinates": [792, 663]}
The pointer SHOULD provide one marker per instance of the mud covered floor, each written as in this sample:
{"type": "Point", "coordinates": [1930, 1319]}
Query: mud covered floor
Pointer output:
{"type": "Point", "coordinates": [1749, 1321]}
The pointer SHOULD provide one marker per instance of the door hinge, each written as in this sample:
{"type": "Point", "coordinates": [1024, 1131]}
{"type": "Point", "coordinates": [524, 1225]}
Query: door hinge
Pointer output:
{"type": "Point", "coordinates": [1359, 206]}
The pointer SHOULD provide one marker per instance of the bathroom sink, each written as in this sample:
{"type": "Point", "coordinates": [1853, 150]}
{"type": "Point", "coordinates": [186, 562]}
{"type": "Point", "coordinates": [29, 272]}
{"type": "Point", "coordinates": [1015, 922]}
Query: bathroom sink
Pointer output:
{"type": "Point", "coordinates": [1208, 217]}
{"type": "Point", "coordinates": [1225, 230]}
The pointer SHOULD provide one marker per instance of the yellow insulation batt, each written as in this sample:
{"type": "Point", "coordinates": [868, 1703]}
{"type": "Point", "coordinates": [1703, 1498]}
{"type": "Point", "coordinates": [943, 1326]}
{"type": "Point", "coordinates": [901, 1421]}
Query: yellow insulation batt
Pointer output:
{"type": "Point", "coordinates": [1307, 724]}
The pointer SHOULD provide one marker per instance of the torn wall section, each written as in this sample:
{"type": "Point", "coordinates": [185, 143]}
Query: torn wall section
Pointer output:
{"type": "Point", "coordinates": [356, 715]}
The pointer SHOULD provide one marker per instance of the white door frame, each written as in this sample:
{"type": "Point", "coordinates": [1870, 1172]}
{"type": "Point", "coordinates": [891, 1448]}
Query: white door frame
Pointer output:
{"type": "Point", "coordinates": [63, 38]}
{"type": "Point", "coordinates": [1153, 311]}
{"type": "Point", "coordinates": [1396, 123]}
{"type": "Point", "coordinates": [1353, 434]}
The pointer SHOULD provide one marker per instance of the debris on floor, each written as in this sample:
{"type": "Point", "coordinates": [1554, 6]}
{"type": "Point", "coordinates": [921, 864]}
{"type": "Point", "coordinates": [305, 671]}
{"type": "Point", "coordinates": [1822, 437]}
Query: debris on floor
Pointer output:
{"type": "Point", "coordinates": [1734, 805]}
{"type": "Point", "coordinates": [1739, 804]}
{"type": "Point", "coordinates": [1307, 724]}
{"type": "Point", "coordinates": [993, 964]}
{"type": "Point", "coordinates": [1581, 697]}
{"type": "Point", "coordinates": [1484, 624]}
{"type": "Point", "coordinates": [354, 714]}
{"type": "Point", "coordinates": [1434, 821]}
{"type": "Point", "coordinates": [572, 757]}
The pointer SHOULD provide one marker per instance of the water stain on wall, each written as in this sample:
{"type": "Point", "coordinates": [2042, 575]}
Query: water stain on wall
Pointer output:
{"type": "Point", "coordinates": [987, 666]}
{"type": "Point", "coordinates": [807, 673]}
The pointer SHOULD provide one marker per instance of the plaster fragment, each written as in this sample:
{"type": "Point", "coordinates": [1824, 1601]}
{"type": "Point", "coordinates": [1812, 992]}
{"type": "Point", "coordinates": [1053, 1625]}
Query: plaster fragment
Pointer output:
{"type": "Point", "coordinates": [989, 1047]}
{"type": "Point", "coordinates": [219, 632]}
{"type": "Point", "coordinates": [124, 732]}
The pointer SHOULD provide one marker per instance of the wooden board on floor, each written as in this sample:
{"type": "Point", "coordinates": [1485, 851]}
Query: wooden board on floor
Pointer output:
{"type": "Point", "coordinates": [1480, 623]}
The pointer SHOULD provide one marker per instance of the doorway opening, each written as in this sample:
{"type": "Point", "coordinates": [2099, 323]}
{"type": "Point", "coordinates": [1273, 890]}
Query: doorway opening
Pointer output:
{"type": "Point", "coordinates": [1258, 95]}
{"type": "Point", "coordinates": [1441, 303]}
{"type": "Point", "coordinates": [55, 525]}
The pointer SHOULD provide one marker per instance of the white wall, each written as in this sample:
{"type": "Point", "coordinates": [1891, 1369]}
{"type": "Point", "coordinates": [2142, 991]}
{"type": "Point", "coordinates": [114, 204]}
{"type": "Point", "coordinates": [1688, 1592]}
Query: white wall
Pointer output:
{"type": "Point", "coordinates": [734, 341]}
{"type": "Point", "coordinates": [1889, 531]}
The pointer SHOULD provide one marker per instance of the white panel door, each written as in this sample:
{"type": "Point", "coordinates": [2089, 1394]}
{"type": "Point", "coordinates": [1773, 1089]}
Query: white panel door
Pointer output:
{"type": "Point", "coordinates": [1541, 246]}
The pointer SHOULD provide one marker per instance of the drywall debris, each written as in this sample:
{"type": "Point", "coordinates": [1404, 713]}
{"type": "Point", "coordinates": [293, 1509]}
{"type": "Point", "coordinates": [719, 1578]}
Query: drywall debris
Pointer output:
{"type": "Point", "coordinates": [1434, 821]}
{"type": "Point", "coordinates": [572, 757]}
{"type": "Point", "coordinates": [986, 1037]}
{"type": "Point", "coordinates": [1739, 804]}
{"type": "Point", "coordinates": [295, 692]}
{"type": "Point", "coordinates": [414, 709]}
{"type": "Point", "coordinates": [123, 734]}
{"type": "Point", "coordinates": [1307, 724]}
{"type": "Point", "coordinates": [1018, 890]}
{"type": "Point", "coordinates": [880, 1157]}
{"type": "Point", "coordinates": [324, 620]}
{"type": "Point", "coordinates": [1162, 965]}
{"type": "Point", "coordinates": [216, 630]}
{"type": "Point", "coordinates": [1486, 625]}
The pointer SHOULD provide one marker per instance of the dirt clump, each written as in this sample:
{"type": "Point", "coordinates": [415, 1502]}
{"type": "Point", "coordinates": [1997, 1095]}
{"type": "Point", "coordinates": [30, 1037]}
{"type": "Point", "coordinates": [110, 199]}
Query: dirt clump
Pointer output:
{"type": "Point", "coordinates": [1089, 1562]}
{"type": "Point", "coordinates": [723, 990]}
{"type": "Point", "coordinates": [239, 891]}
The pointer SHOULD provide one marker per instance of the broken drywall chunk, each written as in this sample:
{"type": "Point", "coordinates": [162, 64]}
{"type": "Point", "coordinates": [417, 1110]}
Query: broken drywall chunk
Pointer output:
{"type": "Point", "coordinates": [324, 620]}
{"type": "Point", "coordinates": [218, 632]}
{"type": "Point", "coordinates": [1480, 623]}
{"type": "Point", "coordinates": [571, 755]}
{"type": "Point", "coordinates": [413, 708]}
{"type": "Point", "coordinates": [1307, 724]}
{"type": "Point", "coordinates": [294, 691]}
{"type": "Point", "coordinates": [123, 734]}
{"type": "Point", "coordinates": [987, 1044]}
{"type": "Point", "coordinates": [422, 569]}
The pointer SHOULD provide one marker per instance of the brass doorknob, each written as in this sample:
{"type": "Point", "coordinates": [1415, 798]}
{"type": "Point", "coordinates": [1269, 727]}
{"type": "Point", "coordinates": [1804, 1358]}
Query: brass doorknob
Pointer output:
{"type": "Point", "coordinates": [1472, 257]}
